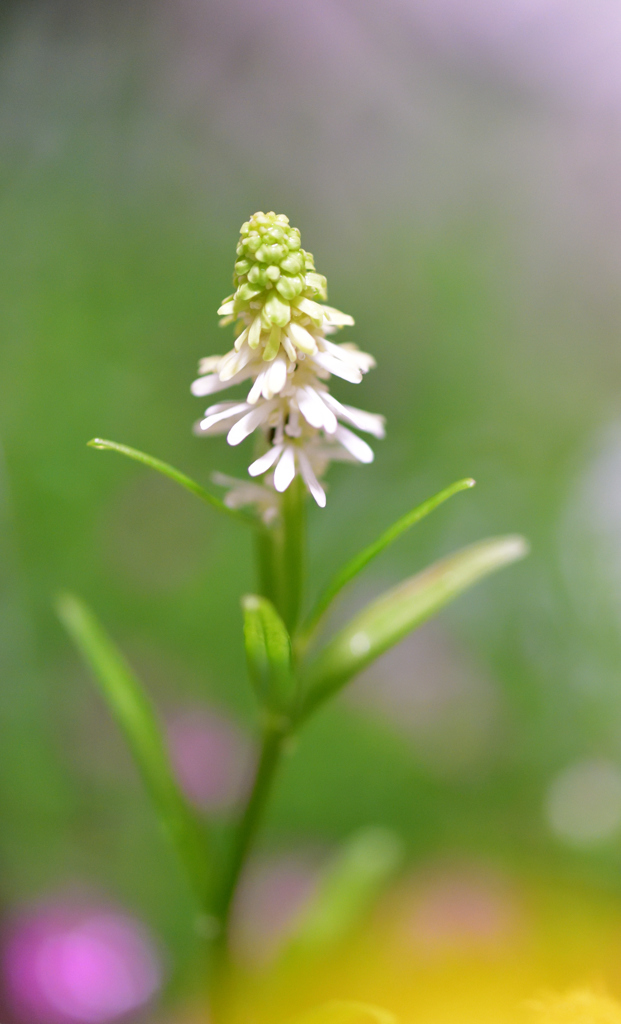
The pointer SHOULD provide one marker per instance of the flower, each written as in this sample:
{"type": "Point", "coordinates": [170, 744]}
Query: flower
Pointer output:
{"type": "Point", "coordinates": [283, 348]}
{"type": "Point", "coordinates": [67, 962]}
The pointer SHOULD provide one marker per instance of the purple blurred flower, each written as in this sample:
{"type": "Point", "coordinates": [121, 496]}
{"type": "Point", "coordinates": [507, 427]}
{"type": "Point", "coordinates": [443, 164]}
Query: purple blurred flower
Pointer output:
{"type": "Point", "coordinates": [78, 965]}
{"type": "Point", "coordinates": [210, 755]}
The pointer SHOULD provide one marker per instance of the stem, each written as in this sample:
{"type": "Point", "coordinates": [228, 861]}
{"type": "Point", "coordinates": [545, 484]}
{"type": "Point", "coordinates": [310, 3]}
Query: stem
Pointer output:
{"type": "Point", "coordinates": [267, 555]}
{"type": "Point", "coordinates": [280, 563]}
{"type": "Point", "coordinates": [293, 552]}
{"type": "Point", "coordinates": [269, 759]}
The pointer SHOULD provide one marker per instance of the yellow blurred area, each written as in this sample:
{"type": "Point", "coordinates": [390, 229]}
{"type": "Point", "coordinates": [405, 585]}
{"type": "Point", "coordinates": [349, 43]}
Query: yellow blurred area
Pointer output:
{"type": "Point", "coordinates": [459, 948]}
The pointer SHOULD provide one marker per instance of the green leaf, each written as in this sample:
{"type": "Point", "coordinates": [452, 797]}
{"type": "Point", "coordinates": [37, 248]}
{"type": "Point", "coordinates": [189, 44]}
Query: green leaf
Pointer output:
{"type": "Point", "coordinates": [135, 716]}
{"type": "Point", "coordinates": [388, 619]}
{"type": "Point", "coordinates": [365, 556]}
{"type": "Point", "coordinates": [346, 1012]}
{"type": "Point", "coordinates": [174, 474]}
{"type": "Point", "coordinates": [268, 653]}
{"type": "Point", "coordinates": [350, 885]}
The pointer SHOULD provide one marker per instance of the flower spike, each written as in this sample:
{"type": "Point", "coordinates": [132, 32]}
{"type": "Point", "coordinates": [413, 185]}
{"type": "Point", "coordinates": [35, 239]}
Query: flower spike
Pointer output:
{"type": "Point", "coordinates": [283, 349]}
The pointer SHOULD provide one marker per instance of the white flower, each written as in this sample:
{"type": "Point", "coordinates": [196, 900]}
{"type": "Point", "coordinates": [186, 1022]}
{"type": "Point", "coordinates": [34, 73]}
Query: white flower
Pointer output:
{"type": "Point", "coordinates": [283, 349]}
{"type": "Point", "coordinates": [243, 492]}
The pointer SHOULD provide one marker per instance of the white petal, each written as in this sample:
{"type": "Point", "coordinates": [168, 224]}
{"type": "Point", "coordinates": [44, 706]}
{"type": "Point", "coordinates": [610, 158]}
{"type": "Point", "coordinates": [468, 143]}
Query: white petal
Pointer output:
{"type": "Point", "coordinates": [338, 367]}
{"type": "Point", "coordinates": [301, 338]}
{"type": "Point", "coordinates": [350, 353]}
{"type": "Point", "coordinates": [288, 347]}
{"type": "Point", "coordinates": [370, 422]}
{"type": "Point", "coordinates": [242, 492]}
{"type": "Point", "coordinates": [354, 444]}
{"type": "Point", "coordinates": [285, 470]}
{"type": "Point", "coordinates": [244, 427]}
{"type": "Point", "coordinates": [241, 339]}
{"type": "Point", "coordinates": [293, 428]}
{"type": "Point", "coordinates": [265, 462]}
{"type": "Point", "coordinates": [223, 406]}
{"type": "Point", "coordinates": [213, 382]}
{"type": "Point", "coordinates": [333, 453]}
{"type": "Point", "coordinates": [315, 411]}
{"type": "Point", "coordinates": [275, 377]}
{"type": "Point", "coordinates": [207, 385]}
{"type": "Point", "coordinates": [233, 362]}
{"type": "Point", "coordinates": [208, 364]}
{"type": "Point", "coordinates": [211, 424]}
{"type": "Point", "coordinates": [334, 316]}
{"type": "Point", "coordinates": [255, 391]}
{"type": "Point", "coordinates": [311, 480]}
{"type": "Point", "coordinates": [226, 308]}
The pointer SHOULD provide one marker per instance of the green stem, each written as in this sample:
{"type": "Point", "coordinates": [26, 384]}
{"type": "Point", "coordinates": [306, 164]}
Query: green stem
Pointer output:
{"type": "Point", "coordinates": [293, 552]}
{"type": "Point", "coordinates": [269, 759]}
{"type": "Point", "coordinates": [280, 562]}
{"type": "Point", "coordinates": [267, 555]}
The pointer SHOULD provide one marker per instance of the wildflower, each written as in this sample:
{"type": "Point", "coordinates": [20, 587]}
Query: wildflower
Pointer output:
{"type": "Point", "coordinates": [283, 348]}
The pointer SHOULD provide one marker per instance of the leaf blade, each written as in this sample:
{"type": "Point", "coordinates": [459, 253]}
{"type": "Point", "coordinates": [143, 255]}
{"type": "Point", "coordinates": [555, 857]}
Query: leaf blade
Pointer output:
{"type": "Point", "coordinates": [354, 878]}
{"type": "Point", "coordinates": [400, 610]}
{"type": "Point", "coordinates": [173, 474]}
{"type": "Point", "coordinates": [362, 559]}
{"type": "Point", "coordinates": [135, 717]}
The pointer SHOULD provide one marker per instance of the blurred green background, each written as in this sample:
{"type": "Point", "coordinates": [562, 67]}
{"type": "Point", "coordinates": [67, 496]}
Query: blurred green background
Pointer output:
{"type": "Point", "coordinates": [456, 178]}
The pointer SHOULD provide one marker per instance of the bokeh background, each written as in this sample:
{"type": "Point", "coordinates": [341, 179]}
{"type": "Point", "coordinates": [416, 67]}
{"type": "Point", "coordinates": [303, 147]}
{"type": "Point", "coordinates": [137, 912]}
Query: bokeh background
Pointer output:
{"type": "Point", "coordinates": [454, 166]}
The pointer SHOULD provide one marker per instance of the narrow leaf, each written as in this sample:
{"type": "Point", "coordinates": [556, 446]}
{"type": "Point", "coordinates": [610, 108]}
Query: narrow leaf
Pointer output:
{"type": "Point", "coordinates": [388, 619]}
{"type": "Point", "coordinates": [268, 653]}
{"type": "Point", "coordinates": [365, 556]}
{"type": "Point", "coordinates": [174, 474]}
{"type": "Point", "coordinates": [136, 718]}
{"type": "Point", "coordinates": [346, 1012]}
{"type": "Point", "coordinates": [350, 885]}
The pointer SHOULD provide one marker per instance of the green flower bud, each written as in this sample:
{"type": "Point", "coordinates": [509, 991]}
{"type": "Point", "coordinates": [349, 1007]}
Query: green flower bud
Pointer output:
{"type": "Point", "coordinates": [290, 287]}
{"type": "Point", "coordinates": [275, 281]}
{"type": "Point", "coordinates": [256, 276]}
{"type": "Point", "coordinates": [276, 311]}
{"type": "Point", "coordinates": [270, 254]}
{"type": "Point", "coordinates": [293, 263]}
{"type": "Point", "coordinates": [246, 292]}
{"type": "Point", "coordinates": [317, 284]}
{"type": "Point", "coordinates": [252, 242]}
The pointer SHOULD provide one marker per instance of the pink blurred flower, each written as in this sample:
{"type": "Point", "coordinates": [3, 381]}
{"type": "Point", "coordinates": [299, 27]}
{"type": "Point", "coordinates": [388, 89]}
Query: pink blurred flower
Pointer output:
{"type": "Point", "coordinates": [65, 964]}
{"type": "Point", "coordinates": [210, 755]}
{"type": "Point", "coordinates": [272, 894]}
{"type": "Point", "coordinates": [461, 909]}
